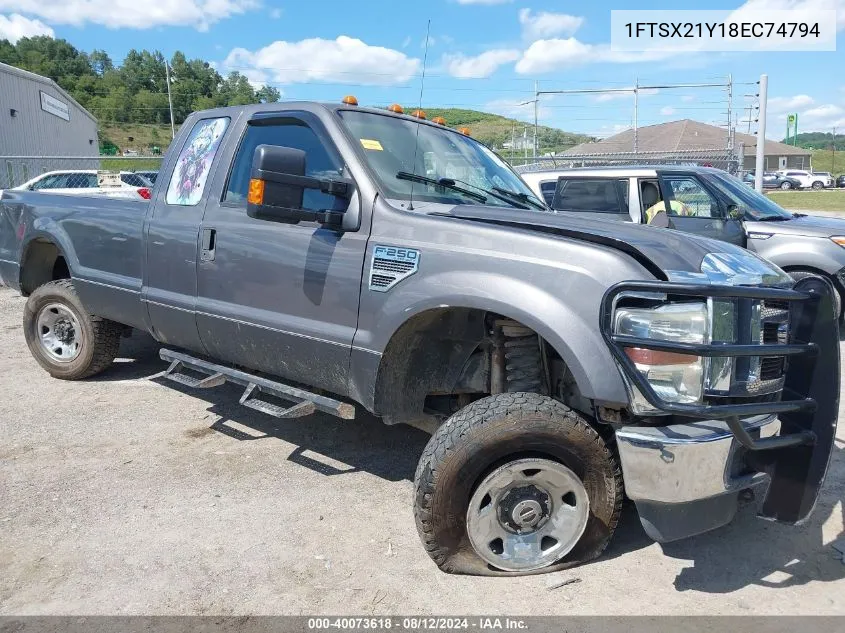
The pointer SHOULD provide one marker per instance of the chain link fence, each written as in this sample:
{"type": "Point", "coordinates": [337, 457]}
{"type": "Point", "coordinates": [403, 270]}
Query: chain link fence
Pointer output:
{"type": "Point", "coordinates": [729, 160]}
{"type": "Point", "coordinates": [75, 172]}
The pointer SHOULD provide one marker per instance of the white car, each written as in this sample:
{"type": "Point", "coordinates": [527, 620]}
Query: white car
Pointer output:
{"type": "Point", "coordinates": [808, 179]}
{"type": "Point", "coordinates": [90, 182]}
{"type": "Point", "coordinates": [826, 176]}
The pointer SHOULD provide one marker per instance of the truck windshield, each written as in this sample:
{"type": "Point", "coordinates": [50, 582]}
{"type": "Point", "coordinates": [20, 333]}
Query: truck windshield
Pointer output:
{"type": "Point", "coordinates": [441, 165]}
{"type": "Point", "coordinates": [751, 204]}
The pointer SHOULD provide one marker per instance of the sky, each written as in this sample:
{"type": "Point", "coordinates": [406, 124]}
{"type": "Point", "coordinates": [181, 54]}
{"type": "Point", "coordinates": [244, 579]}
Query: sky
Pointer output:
{"type": "Point", "coordinates": [482, 54]}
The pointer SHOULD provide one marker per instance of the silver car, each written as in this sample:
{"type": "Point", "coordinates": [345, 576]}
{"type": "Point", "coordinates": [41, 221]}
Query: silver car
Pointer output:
{"type": "Point", "coordinates": [704, 201]}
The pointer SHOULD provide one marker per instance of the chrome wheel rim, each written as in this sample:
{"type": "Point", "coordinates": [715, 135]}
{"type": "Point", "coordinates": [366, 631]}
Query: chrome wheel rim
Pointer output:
{"type": "Point", "coordinates": [58, 332]}
{"type": "Point", "coordinates": [527, 514]}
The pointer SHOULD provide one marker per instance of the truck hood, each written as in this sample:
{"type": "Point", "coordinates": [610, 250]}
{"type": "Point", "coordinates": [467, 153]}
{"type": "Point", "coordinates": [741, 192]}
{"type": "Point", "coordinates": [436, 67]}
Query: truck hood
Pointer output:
{"type": "Point", "coordinates": [807, 225]}
{"type": "Point", "coordinates": [661, 251]}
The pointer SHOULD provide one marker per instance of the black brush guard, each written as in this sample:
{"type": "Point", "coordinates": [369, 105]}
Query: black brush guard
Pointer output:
{"type": "Point", "coordinates": [797, 459]}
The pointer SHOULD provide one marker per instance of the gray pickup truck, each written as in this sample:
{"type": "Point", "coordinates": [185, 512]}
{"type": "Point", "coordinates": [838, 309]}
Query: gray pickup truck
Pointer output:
{"type": "Point", "coordinates": [335, 258]}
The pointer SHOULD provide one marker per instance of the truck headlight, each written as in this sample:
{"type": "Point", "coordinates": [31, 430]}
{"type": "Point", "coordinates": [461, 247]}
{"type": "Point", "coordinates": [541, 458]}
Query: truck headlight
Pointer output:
{"type": "Point", "coordinates": [674, 377]}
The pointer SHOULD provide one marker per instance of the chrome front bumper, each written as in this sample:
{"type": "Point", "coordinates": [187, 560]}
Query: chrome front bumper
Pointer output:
{"type": "Point", "coordinates": [685, 478]}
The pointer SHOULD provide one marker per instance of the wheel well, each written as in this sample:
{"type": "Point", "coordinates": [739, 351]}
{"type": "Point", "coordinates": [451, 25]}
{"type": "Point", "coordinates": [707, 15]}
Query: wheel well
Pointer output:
{"type": "Point", "coordinates": [439, 353]}
{"type": "Point", "coordinates": [42, 263]}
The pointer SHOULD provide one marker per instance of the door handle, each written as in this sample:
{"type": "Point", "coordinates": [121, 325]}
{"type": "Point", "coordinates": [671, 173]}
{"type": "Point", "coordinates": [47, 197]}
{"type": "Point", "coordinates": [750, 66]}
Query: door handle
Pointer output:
{"type": "Point", "coordinates": [208, 244]}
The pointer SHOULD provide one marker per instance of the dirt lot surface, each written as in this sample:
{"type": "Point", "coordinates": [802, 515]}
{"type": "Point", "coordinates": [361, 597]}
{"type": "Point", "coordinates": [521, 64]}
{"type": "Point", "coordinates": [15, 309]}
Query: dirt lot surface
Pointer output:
{"type": "Point", "coordinates": [123, 495]}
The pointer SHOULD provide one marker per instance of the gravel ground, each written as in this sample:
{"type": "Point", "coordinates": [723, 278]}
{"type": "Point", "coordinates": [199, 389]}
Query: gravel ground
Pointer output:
{"type": "Point", "coordinates": [123, 495]}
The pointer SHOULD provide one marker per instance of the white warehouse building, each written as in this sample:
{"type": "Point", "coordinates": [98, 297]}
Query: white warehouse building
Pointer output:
{"type": "Point", "coordinates": [39, 119]}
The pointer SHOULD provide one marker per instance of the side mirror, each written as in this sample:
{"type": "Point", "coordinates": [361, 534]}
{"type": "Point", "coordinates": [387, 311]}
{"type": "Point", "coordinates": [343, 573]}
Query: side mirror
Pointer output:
{"type": "Point", "coordinates": [734, 212]}
{"type": "Point", "coordinates": [277, 186]}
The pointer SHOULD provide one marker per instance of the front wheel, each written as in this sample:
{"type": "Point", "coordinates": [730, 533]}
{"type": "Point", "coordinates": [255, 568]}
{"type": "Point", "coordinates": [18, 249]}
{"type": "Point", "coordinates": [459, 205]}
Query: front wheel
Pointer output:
{"type": "Point", "coordinates": [837, 298]}
{"type": "Point", "coordinates": [516, 483]}
{"type": "Point", "coordinates": [63, 337]}
{"type": "Point", "coordinates": [818, 185]}
{"type": "Point", "coordinates": [786, 186]}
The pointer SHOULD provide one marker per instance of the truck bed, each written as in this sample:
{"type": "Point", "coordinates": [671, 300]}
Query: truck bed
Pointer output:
{"type": "Point", "coordinates": [101, 239]}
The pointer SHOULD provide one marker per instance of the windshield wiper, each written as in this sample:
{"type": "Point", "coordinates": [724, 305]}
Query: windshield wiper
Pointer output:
{"type": "Point", "coordinates": [522, 197]}
{"type": "Point", "coordinates": [773, 218]}
{"type": "Point", "coordinates": [446, 183]}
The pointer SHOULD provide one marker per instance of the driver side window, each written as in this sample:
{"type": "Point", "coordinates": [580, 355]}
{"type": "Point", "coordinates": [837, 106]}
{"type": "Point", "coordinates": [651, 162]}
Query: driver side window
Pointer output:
{"type": "Point", "coordinates": [286, 132]}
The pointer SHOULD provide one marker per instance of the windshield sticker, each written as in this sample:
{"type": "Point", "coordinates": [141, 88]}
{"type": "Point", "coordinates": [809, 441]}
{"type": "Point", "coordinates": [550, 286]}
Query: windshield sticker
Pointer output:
{"type": "Point", "coordinates": [369, 143]}
{"type": "Point", "coordinates": [194, 163]}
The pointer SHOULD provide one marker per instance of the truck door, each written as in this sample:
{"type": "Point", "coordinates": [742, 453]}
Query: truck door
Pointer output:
{"type": "Point", "coordinates": [693, 209]}
{"type": "Point", "coordinates": [172, 234]}
{"type": "Point", "coordinates": [274, 296]}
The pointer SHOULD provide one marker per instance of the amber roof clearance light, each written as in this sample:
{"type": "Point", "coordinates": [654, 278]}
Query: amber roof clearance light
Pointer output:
{"type": "Point", "coordinates": [418, 114]}
{"type": "Point", "coordinates": [350, 100]}
{"type": "Point", "coordinates": [439, 120]}
{"type": "Point", "coordinates": [396, 108]}
{"type": "Point", "coordinates": [465, 131]}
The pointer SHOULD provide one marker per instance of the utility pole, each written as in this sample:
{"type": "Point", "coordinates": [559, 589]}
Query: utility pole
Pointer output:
{"type": "Point", "coordinates": [750, 110]}
{"type": "Point", "coordinates": [759, 165]}
{"type": "Point", "coordinates": [833, 157]}
{"type": "Point", "coordinates": [536, 101]}
{"type": "Point", "coordinates": [636, 110]}
{"type": "Point", "coordinates": [730, 106]}
{"type": "Point", "coordinates": [169, 99]}
{"type": "Point", "coordinates": [513, 141]}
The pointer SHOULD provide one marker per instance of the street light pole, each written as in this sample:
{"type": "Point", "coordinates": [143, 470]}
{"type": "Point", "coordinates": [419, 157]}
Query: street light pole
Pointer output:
{"type": "Point", "coordinates": [169, 99]}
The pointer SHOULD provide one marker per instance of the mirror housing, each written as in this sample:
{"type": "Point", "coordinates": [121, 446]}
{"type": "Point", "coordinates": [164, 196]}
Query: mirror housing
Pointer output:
{"type": "Point", "coordinates": [277, 186]}
{"type": "Point", "coordinates": [734, 212]}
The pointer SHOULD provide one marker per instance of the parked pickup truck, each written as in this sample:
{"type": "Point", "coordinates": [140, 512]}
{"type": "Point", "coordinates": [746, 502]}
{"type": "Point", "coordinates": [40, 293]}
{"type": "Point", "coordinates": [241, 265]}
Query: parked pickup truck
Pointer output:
{"type": "Point", "coordinates": [705, 201]}
{"type": "Point", "coordinates": [336, 258]}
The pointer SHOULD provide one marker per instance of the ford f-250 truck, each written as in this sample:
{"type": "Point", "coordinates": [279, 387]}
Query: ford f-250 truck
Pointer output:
{"type": "Point", "coordinates": [334, 257]}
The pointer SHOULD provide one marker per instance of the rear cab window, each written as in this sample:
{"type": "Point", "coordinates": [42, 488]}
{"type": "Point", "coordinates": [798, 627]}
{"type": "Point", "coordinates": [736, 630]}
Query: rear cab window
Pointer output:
{"type": "Point", "coordinates": [193, 165]}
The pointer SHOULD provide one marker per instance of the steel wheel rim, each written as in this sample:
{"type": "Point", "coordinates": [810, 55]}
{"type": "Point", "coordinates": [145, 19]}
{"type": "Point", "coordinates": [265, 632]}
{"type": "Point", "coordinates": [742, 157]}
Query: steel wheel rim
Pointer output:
{"type": "Point", "coordinates": [502, 521]}
{"type": "Point", "coordinates": [58, 332]}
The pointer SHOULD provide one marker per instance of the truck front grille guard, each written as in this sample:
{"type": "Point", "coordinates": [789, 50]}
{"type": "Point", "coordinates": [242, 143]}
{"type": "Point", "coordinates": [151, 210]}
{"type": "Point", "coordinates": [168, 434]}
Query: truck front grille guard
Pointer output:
{"type": "Point", "coordinates": [798, 458]}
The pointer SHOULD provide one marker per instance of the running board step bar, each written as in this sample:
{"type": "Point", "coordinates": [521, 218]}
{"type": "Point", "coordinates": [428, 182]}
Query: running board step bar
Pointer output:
{"type": "Point", "coordinates": [304, 402]}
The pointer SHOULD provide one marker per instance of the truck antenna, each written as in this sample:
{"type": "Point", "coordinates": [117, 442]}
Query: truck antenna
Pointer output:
{"type": "Point", "coordinates": [419, 109]}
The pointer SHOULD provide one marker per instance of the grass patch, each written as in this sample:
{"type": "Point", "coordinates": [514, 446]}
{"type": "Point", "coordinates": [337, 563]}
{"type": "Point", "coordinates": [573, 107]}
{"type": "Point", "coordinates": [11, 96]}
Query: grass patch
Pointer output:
{"type": "Point", "coordinates": [810, 200]}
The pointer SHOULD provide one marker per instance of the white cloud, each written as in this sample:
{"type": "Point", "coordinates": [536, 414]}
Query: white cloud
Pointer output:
{"type": "Point", "coordinates": [479, 66]}
{"type": "Point", "coordinates": [276, 13]}
{"type": "Point", "coordinates": [785, 104]}
{"type": "Point", "coordinates": [604, 97]}
{"type": "Point", "coordinates": [345, 59]}
{"type": "Point", "coordinates": [131, 13]}
{"type": "Point", "coordinates": [545, 24]}
{"type": "Point", "coordinates": [406, 41]}
{"type": "Point", "coordinates": [797, 5]}
{"type": "Point", "coordinates": [812, 117]}
{"type": "Point", "coordinates": [484, 1]}
{"type": "Point", "coordinates": [688, 98]}
{"type": "Point", "coordinates": [558, 54]}
{"type": "Point", "coordinates": [14, 27]}
{"type": "Point", "coordinates": [667, 110]}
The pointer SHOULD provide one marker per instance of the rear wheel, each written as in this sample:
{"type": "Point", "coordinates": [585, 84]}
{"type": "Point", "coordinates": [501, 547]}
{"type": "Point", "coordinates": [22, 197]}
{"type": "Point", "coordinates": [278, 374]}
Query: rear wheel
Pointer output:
{"type": "Point", "coordinates": [63, 337]}
{"type": "Point", "coordinates": [513, 484]}
{"type": "Point", "coordinates": [786, 185]}
{"type": "Point", "coordinates": [818, 185]}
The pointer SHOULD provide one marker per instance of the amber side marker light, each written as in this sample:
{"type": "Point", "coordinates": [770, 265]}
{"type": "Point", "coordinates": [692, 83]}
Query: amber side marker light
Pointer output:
{"type": "Point", "coordinates": [419, 114]}
{"type": "Point", "coordinates": [396, 108]}
{"type": "Point", "coordinates": [256, 191]}
{"type": "Point", "coordinates": [350, 100]}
